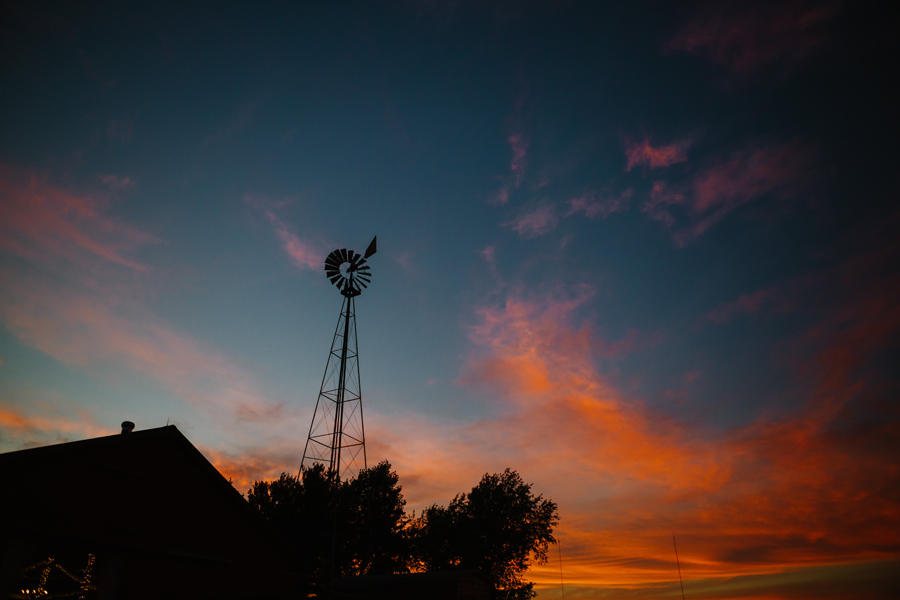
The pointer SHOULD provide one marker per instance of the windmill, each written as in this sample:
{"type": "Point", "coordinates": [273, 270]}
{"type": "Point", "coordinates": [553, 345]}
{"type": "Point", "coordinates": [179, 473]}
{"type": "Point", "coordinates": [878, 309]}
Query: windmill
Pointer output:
{"type": "Point", "coordinates": [337, 437]}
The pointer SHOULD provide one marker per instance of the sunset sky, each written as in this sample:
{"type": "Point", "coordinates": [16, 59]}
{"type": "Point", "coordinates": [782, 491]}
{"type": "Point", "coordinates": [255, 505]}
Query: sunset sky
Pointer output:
{"type": "Point", "coordinates": [645, 255]}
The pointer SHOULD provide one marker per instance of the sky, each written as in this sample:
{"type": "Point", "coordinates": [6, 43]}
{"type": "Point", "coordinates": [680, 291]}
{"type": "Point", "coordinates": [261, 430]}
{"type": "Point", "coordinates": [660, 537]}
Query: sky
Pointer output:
{"type": "Point", "coordinates": [645, 254]}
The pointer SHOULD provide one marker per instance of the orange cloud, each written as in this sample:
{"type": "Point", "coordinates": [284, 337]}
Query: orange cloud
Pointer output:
{"type": "Point", "coordinates": [41, 424]}
{"type": "Point", "coordinates": [12, 420]}
{"type": "Point", "coordinates": [808, 490]}
{"type": "Point", "coordinates": [255, 464]}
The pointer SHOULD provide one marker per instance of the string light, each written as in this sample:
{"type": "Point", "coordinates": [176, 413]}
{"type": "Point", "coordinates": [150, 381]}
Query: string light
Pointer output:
{"type": "Point", "coordinates": [44, 576]}
{"type": "Point", "coordinates": [85, 583]}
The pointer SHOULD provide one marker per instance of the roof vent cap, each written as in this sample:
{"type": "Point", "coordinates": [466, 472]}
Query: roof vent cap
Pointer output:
{"type": "Point", "coordinates": [127, 426]}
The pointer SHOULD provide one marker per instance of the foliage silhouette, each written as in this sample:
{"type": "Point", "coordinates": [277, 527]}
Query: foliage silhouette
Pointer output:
{"type": "Point", "coordinates": [499, 527]}
{"type": "Point", "coordinates": [360, 522]}
{"type": "Point", "coordinates": [359, 526]}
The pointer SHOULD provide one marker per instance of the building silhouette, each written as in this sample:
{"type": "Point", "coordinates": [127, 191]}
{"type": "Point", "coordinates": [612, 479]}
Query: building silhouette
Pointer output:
{"type": "Point", "coordinates": [136, 515]}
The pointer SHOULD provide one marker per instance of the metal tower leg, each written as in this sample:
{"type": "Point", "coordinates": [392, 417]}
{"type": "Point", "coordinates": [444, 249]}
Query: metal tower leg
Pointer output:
{"type": "Point", "coordinates": [337, 435]}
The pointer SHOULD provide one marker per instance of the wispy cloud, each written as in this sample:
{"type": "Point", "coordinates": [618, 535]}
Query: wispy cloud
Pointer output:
{"type": "Point", "coordinates": [519, 146]}
{"type": "Point", "coordinates": [599, 205]}
{"type": "Point", "coordinates": [654, 157]}
{"type": "Point", "coordinates": [490, 255]}
{"type": "Point", "coordinates": [43, 222]}
{"type": "Point", "coordinates": [749, 303]}
{"type": "Point", "coordinates": [75, 293]}
{"type": "Point", "coordinates": [518, 143]}
{"type": "Point", "coordinates": [661, 197]}
{"type": "Point", "coordinates": [304, 253]}
{"type": "Point", "coordinates": [120, 130]}
{"type": "Point", "coordinates": [88, 330]}
{"type": "Point", "coordinates": [779, 171]}
{"type": "Point", "coordinates": [241, 119]}
{"type": "Point", "coordinates": [747, 37]}
{"type": "Point", "coordinates": [405, 260]}
{"type": "Point", "coordinates": [117, 182]}
{"type": "Point", "coordinates": [535, 223]}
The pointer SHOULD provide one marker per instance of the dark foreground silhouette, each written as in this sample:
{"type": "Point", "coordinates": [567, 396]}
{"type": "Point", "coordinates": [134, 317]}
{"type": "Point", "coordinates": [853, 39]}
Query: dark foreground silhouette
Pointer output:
{"type": "Point", "coordinates": [138, 516]}
{"type": "Point", "coordinates": [360, 527]}
{"type": "Point", "coordinates": [144, 515]}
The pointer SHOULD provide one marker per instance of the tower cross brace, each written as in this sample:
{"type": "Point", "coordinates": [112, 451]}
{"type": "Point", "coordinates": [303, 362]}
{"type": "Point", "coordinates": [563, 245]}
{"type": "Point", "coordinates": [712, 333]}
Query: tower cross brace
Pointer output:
{"type": "Point", "coordinates": [337, 433]}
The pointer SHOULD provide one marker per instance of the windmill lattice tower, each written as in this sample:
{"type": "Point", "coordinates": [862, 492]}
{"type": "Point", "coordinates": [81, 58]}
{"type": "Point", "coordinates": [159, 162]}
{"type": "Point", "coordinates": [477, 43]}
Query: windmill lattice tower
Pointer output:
{"type": "Point", "coordinates": [337, 437]}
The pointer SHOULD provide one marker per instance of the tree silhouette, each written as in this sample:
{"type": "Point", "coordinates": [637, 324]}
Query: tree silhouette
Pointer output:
{"type": "Point", "coordinates": [360, 527]}
{"type": "Point", "coordinates": [499, 527]}
{"type": "Point", "coordinates": [337, 529]}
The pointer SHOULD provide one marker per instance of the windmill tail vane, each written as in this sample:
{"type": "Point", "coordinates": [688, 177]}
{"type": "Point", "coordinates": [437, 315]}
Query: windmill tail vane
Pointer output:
{"type": "Point", "coordinates": [337, 434]}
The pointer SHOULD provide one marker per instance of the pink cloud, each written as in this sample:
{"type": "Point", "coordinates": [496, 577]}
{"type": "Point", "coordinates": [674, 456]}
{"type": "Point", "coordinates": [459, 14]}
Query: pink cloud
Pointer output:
{"type": "Point", "coordinates": [114, 181]}
{"type": "Point", "coordinates": [301, 251]}
{"type": "Point", "coordinates": [502, 195]}
{"type": "Point", "coordinates": [599, 205]}
{"type": "Point", "coordinates": [76, 295]}
{"type": "Point", "coordinates": [304, 253]}
{"type": "Point", "coordinates": [94, 331]}
{"type": "Point", "coordinates": [535, 223]}
{"type": "Point", "coordinates": [519, 146]}
{"type": "Point", "coordinates": [655, 156]}
{"type": "Point", "coordinates": [490, 255]}
{"type": "Point", "coordinates": [780, 171]}
{"type": "Point", "coordinates": [404, 259]}
{"type": "Point", "coordinates": [518, 143]}
{"type": "Point", "coordinates": [41, 222]}
{"type": "Point", "coordinates": [748, 37]}
{"type": "Point", "coordinates": [692, 376]}
{"type": "Point", "coordinates": [661, 197]}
